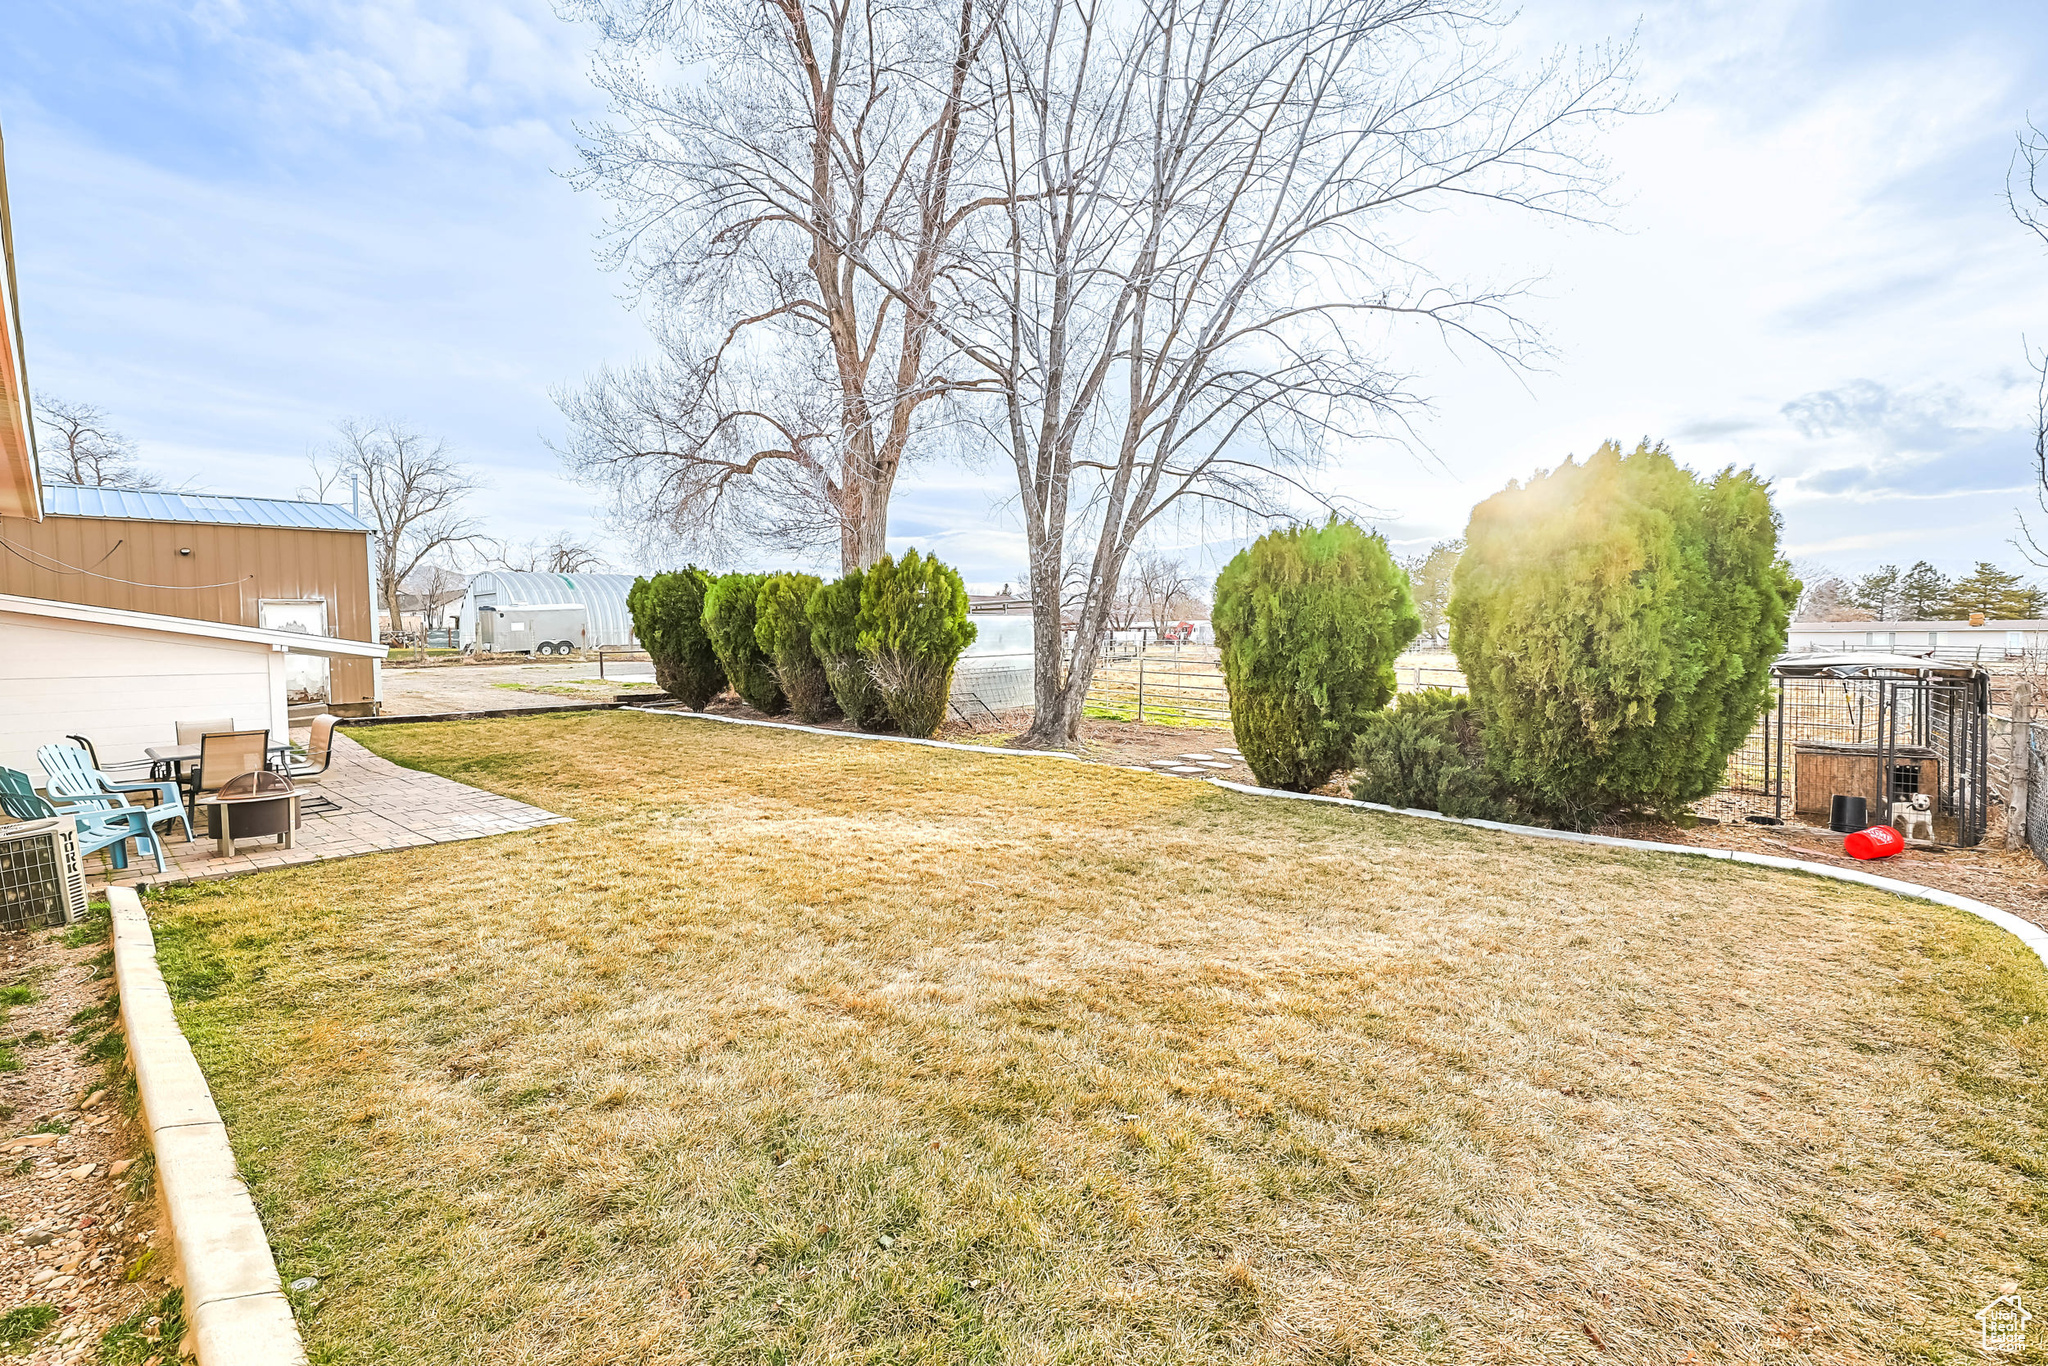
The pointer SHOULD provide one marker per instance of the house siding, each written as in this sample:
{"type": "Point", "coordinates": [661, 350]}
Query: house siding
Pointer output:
{"type": "Point", "coordinates": [124, 688]}
{"type": "Point", "coordinates": [253, 563]}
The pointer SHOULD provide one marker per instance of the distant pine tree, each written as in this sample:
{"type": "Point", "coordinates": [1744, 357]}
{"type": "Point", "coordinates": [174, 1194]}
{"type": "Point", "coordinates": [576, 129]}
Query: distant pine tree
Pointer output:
{"type": "Point", "coordinates": [1998, 595]}
{"type": "Point", "coordinates": [1429, 577]}
{"type": "Point", "coordinates": [1924, 593]}
{"type": "Point", "coordinates": [1878, 592]}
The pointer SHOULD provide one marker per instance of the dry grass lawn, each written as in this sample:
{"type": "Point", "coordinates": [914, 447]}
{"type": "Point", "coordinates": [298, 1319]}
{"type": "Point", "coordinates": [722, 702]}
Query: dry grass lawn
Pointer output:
{"type": "Point", "coordinates": [800, 1049]}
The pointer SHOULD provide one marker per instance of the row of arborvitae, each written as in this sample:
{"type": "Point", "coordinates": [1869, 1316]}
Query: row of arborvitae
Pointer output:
{"type": "Point", "coordinates": [1615, 620]}
{"type": "Point", "coordinates": [878, 644]}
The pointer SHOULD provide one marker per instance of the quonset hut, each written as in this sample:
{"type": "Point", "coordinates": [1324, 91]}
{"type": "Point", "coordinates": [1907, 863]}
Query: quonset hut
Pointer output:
{"type": "Point", "coordinates": [542, 606]}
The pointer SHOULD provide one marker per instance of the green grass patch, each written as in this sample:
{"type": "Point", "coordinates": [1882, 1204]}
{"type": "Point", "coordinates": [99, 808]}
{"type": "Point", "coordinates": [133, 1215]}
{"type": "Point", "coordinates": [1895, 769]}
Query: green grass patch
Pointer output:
{"type": "Point", "coordinates": [20, 1328]}
{"type": "Point", "coordinates": [150, 1333]}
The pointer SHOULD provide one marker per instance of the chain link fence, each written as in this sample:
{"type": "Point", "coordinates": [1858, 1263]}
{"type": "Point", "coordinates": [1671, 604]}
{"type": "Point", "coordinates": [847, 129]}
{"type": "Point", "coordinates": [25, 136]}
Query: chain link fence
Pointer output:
{"type": "Point", "coordinates": [2037, 793]}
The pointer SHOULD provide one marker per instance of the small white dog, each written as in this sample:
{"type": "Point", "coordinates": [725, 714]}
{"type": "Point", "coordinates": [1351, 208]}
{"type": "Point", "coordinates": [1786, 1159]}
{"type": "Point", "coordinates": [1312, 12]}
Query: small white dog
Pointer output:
{"type": "Point", "coordinates": [1916, 815]}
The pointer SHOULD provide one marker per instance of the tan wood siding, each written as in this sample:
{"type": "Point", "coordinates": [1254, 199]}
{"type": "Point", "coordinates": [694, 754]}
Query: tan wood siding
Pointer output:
{"type": "Point", "coordinates": [136, 566]}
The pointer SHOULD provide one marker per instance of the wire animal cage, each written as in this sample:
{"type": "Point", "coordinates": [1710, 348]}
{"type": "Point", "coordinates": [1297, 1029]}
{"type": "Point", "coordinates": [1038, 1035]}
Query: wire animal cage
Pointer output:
{"type": "Point", "coordinates": [1883, 727]}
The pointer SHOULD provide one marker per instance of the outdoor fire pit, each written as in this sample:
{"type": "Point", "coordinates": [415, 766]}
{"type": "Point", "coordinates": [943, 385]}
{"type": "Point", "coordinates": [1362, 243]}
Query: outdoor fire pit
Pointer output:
{"type": "Point", "coordinates": [250, 806]}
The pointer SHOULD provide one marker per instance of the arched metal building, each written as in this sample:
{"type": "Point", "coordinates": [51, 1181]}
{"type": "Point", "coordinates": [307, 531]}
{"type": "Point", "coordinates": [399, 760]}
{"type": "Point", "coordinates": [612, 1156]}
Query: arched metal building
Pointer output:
{"type": "Point", "coordinates": [601, 596]}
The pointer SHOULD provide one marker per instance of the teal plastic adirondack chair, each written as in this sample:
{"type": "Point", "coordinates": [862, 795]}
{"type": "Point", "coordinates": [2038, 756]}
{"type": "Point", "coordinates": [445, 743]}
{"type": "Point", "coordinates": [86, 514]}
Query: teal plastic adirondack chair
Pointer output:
{"type": "Point", "coordinates": [73, 776]}
{"type": "Point", "coordinates": [100, 825]}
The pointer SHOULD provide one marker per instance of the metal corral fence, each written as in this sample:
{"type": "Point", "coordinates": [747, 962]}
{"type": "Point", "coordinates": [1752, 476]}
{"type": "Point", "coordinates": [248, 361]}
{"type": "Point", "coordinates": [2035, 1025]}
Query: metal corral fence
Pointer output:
{"type": "Point", "coordinates": [1182, 684]}
{"type": "Point", "coordinates": [1173, 685]}
{"type": "Point", "coordinates": [2036, 791]}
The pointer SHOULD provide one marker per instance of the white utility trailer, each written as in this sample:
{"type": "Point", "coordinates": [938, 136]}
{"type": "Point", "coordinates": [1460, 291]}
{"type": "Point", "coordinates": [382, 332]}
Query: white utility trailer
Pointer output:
{"type": "Point", "coordinates": [543, 631]}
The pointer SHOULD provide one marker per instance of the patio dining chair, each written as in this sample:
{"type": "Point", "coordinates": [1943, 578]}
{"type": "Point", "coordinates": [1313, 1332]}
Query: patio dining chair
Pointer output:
{"type": "Point", "coordinates": [99, 826]}
{"type": "Point", "coordinates": [73, 775]}
{"type": "Point", "coordinates": [319, 751]}
{"type": "Point", "coordinates": [192, 732]}
{"type": "Point", "coordinates": [226, 754]}
{"type": "Point", "coordinates": [92, 752]}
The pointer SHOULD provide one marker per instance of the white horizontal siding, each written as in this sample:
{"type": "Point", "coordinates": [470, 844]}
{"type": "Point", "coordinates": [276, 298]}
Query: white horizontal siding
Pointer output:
{"type": "Point", "coordinates": [124, 688]}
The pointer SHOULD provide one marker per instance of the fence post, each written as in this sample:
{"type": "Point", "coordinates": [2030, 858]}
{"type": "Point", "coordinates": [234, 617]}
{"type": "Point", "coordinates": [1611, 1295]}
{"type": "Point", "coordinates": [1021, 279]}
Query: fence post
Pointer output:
{"type": "Point", "coordinates": [1141, 686]}
{"type": "Point", "coordinates": [2016, 802]}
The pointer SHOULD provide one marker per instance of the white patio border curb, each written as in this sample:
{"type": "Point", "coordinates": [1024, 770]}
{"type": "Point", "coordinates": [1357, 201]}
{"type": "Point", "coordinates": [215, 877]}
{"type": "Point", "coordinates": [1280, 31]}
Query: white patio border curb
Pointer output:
{"type": "Point", "coordinates": [234, 1301]}
{"type": "Point", "coordinates": [2033, 936]}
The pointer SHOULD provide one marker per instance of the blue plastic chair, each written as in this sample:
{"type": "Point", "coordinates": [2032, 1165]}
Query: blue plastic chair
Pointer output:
{"type": "Point", "coordinates": [73, 776]}
{"type": "Point", "coordinates": [100, 823]}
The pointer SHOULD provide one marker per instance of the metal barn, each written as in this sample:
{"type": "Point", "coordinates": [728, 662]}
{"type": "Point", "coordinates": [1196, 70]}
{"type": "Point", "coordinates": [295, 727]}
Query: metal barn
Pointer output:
{"type": "Point", "coordinates": [606, 622]}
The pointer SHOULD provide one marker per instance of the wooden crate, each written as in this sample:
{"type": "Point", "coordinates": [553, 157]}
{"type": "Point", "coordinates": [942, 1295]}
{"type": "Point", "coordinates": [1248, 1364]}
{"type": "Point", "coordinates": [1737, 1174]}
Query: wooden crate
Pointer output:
{"type": "Point", "coordinates": [1820, 771]}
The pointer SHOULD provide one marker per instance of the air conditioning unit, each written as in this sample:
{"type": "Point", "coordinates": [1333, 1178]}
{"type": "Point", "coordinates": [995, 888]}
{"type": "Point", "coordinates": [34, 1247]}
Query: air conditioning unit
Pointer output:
{"type": "Point", "coordinates": [42, 879]}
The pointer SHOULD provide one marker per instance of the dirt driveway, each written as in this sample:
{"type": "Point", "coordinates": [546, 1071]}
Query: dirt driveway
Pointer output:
{"type": "Point", "coordinates": [484, 687]}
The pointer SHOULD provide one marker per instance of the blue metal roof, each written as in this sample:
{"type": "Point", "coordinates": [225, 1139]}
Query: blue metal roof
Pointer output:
{"type": "Point", "coordinates": [158, 505]}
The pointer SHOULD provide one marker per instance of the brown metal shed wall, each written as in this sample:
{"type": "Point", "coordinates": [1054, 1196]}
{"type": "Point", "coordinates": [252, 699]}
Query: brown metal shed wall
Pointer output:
{"type": "Point", "coordinates": [248, 563]}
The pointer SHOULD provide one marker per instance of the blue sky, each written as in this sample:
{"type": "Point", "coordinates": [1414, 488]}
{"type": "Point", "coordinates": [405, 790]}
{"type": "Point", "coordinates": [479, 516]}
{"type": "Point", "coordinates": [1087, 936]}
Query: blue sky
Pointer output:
{"type": "Point", "coordinates": [239, 221]}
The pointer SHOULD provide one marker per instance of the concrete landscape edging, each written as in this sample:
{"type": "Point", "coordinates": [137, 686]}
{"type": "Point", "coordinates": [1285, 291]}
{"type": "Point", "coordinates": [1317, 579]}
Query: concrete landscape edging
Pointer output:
{"type": "Point", "coordinates": [234, 1301]}
{"type": "Point", "coordinates": [2028, 933]}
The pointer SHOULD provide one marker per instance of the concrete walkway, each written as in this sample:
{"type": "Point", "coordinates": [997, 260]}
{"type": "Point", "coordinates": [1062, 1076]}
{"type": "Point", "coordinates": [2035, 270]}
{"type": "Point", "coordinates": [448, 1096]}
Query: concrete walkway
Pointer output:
{"type": "Point", "coordinates": [376, 805]}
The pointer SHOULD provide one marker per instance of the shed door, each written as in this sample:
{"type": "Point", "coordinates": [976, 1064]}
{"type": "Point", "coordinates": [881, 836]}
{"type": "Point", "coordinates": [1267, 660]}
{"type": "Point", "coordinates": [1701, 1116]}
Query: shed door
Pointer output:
{"type": "Point", "coordinates": [305, 675]}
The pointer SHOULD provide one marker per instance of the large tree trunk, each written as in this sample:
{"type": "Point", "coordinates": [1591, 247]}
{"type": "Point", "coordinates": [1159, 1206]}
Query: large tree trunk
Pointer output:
{"type": "Point", "coordinates": [864, 523]}
{"type": "Point", "coordinates": [1051, 726]}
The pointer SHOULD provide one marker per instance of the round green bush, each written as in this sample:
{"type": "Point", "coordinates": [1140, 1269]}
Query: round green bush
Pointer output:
{"type": "Point", "coordinates": [1616, 621]}
{"type": "Point", "coordinates": [1426, 752]}
{"type": "Point", "coordinates": [834, 612]}
{"type": "Point", "coordinates": [913, 626]}
{"type": "Point", "coordinates": [668, 617]}
{"type": "Point", "coordinates": [1309, 620]}
{"type": "Point", "coordinates": [782, 629]}
{"type": "Point", "coordinates": [730, 615]}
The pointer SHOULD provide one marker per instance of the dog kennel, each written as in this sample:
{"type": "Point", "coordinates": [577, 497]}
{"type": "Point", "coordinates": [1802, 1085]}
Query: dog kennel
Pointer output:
{"type": "Point", "coordinates": [1883, 727]}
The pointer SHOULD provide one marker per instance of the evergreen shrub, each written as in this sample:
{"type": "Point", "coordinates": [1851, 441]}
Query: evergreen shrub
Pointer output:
{"type": "Point", "coordinates": [1616, 622]}
{"type": "Point", "coordinates": [730, 616]}
{"type": "Point", "coordinates": [834, 612]}
{"type": "Point", "coordinates": [913, 626]}
{"type": "Point", "coordinates": [1310, 620]}
{"type": "Point", "coordinates": [782, 628]}
{"type": "Point", "coordinates": [668, 617]}
{"type": "Point", "coordinates": [1426, 753]}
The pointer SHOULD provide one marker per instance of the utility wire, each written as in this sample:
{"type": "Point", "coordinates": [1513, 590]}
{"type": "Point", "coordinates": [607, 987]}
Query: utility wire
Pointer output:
{"type": "Point", "coordinates": [61, 568]}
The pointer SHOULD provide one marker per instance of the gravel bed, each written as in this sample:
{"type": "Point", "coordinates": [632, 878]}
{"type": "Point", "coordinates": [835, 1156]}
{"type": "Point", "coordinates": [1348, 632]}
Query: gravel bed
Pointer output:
{"type": "Point", "coordinates": [77, 1217]}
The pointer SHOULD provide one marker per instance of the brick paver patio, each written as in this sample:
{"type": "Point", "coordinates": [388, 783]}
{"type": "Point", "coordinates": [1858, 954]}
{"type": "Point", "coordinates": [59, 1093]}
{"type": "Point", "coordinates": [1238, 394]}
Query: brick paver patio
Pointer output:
{"type": "Point", "coordinates": [377, 805]}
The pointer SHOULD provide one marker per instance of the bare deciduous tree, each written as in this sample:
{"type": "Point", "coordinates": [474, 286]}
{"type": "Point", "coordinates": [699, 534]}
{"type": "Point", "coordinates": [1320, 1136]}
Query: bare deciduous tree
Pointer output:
{"type": "Point", "coordinates": [1429, 578]}
{"type": "Point", "coordinates": [561, 553]}
{"type": "Point", "coordinates": [78, 445]}
{"type": "Point", "coordinates": [2027, 194]}
{"type": "Point", "coordinates": [1830, 597]}
{"type": "Point", "coordinates": [410, 488]}
{"type": "Point", "coordinates": [784, 213]}
{"type": "Point", "coordinates": [1187, 289]}
{"type": "Point", "coordinates": [432, 589]}
{"type": "Point", "coordinates": [1165, 589]}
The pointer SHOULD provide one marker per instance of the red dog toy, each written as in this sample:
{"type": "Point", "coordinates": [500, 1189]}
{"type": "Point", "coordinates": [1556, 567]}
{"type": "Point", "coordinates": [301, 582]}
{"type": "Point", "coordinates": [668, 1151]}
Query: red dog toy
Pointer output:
{"type": "Point", "coordinates": [1879, 841]}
